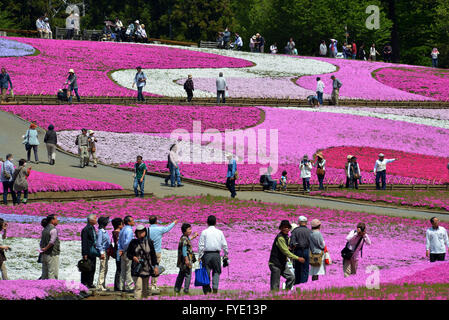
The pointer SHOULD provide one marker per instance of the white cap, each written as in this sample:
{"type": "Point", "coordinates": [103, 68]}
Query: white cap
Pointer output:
{"type": "Point", "coordinates": [71, 71]}
{"type": "Point", "coordinates": [137, 21]}
{"type": "Point", "coordinates": [302, 219]}
{"type": "Point", "coordinates": [381, 155]}
{"type": "Point", "coordinates": [140, 227]}
{"type": "Point", "coordinates": [90, 132]}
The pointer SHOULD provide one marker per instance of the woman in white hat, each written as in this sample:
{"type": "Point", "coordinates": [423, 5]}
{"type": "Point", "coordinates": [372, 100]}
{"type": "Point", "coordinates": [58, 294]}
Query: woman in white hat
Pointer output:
{"type": "Point", "coordinates": [316, 250]}
{"type": "Point", "coordinates": [92, 147]}
{"type": "Point", "coordinates": [73, 85]}
{"type": "Point", "coordinates": [320, 163]}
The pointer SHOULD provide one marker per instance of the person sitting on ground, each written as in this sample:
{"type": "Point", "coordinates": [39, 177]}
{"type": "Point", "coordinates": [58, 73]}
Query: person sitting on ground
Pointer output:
{"type": "Point", "coordinates": [107, 33]}
{"type": "Point", "coordinates": [284, 180]}
{"type": "Point", "coordinates": [267, 182]}
{"type": "Point", "coordinates": [313, 101]}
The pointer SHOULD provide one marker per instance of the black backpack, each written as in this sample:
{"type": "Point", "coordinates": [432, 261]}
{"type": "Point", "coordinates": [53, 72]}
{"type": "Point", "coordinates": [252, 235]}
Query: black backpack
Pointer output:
{"type": "Point", "coordinates": [263, 179]}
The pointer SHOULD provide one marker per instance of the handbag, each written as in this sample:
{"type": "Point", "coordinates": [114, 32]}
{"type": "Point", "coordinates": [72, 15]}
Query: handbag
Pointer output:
{"type": "Point", "coordinates": [5, 174]}
{"type": "Point", "coordinates": [315, 259]}
{"type": "Point", "coordinates": [236, 175]}
{"type": "Point", "coordinates": [84, 265]}
{"type": "Point", "coordinates": [347, 253]}
{"type": "Point", "coordinates": [27, 141]}
{"type": "Point", "coordinates": [320, 171]}
{"type": "Point", "coordinates": [201, 276]}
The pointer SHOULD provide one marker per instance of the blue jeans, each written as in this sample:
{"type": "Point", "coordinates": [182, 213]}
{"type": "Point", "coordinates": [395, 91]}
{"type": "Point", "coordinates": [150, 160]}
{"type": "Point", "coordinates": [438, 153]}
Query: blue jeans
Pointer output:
{"type": "Point", "coordinates": [230, 184]}
{"type": "Point", "coordinates": [320, 180]}
{"type": "Point", "coordinates": [140, 94]}
{"type": "Point", "coordinates": [435, 63]}
{"type": "Point", "coordinates": [175, 175]}
{"type": "Point", "coordinates": [76, 93]}
{"type": "Point", "coordinates": [306, 183]}
{"type": "Point", "coordinates": [381, 175]}
{"type": "Point", "coordinates": [354, 56]}
{"type": "Point", "coordinates": [320, 97]}
{"type": "Point", "coordinates": [273, 185]}
{"type": "Point", "coordinates": [301, 269]}
{"type": "Point", "coordinates": [139, 184]}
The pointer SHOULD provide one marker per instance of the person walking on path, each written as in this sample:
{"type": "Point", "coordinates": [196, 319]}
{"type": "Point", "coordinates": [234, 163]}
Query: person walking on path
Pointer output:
{"type": "Point", "coordinates": [437, 241]}
{"type": "Point", "coordinates": [380, 170]}
{"type": "Point", "coordinates": [73, 86]}
{"type": "Point", "coordinates": [92, 147]}
{"type": "Point", "coordinates": [50, 248]}
{"type": "Point", "coordinates": [155, 232]}
{"type": "Point", "coordinates": [140, 170]}
{"type": "Point", "coordinates": [373, 52]}
{"type": "Point", "coordinates": [231, 175]}
{"type": "Point", "coordinates": [141, 251]}
{"type": "Point", "coordinates": [20, 177]}
{"type": "Point", "coordinates": [3, 248]}
{"type": "Point", "coordinates": [354, 173]}
{"type": "Point", "coordinates": [317, 246]}
{"type": "Point", "coordinates": [51, 140]}
{"type": "Point", "coordinates": [355, 241]}
{"type": "Point", "coordinates": [125, 237]}
{"type": "Point", "coordinates": [117, 224]}
{"type": "Point", "coordinates": [323, 49]}
{"type": "Point", "coordinates": [82, 141]}
{"type": "Point", "coordinates": [348, 178]}
{"type": "Point", "coordinates": [141, 80]}
{"type": "Point", "coordinates": [221, 88]}
{"type": "Point", "coordinates": [89, 250]}
{"type": "Point", "coordinates": [189, 88]}
{"type": "Point", "coordinates": [212, 241]}
{"type": "Point", "coordinates": [6, 177]}
{"type": "Point", "coordinates": [173, 165]}
{"type": "Point", "coordinates": [320, 165]}
{"type": "Point", "coordinates": [336, 85]}
{"type": "Point", "coordinates": [186, 259]}
{"type": "Point", "coordinates": [5, 80]}
{"type": "Point", "coordinates": [306, 172]}
{"type": "Point", "coordinates": [32, 142]}
{"type": "Point", "coordinates": [434, 54]}
{"type": "Point", "coordinates": [103, 244]}
{"type": "Point", "coordinates": [319, 90]}
{"type": "Point", "coordinates": [278, 258]}
{"type": "Point", "coordinates": [300, 242]}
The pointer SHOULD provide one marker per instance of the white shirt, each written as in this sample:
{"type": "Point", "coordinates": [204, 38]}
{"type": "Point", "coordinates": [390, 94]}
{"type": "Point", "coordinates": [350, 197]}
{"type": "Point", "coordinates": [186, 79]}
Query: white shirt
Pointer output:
{"type": "Point", "coordinates": [320, 86]}
{"type": "Point", "coordinates": [322, 164]}
{"type": "Point", "coordinates": [353, 238]}
{"type": "Point", "coordinates": [239, 42]}
{"type": "Point", "coordinates": [306, 170]}
{"type": "Point", "coordinates": [273, 49]}
{"type": "Point", "coordinates": [212, 239]}
{"type": "Point", "coordinates": [382, 165]}
{"type": "Point", "coordinates": [323, 49]}
{"type": "Point", "coordinates": [372, 51]}
{"type": "Point", "coordinates": [349, 169]}
{"type": "Point", "coordinates": [434, 55]}
{"type": "Point", "coordinates": [437, 240]}
{"type": "Point", "coordinates": [174, 158]}
{"type": "Point", "coordinates": [47, 26]}
{"type": "Point", "coordinates": [40, 24]}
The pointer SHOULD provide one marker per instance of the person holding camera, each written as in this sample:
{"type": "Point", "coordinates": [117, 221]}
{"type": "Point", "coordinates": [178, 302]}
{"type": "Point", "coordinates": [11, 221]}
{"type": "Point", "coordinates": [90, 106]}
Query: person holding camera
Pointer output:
{"type": "Point", "coordinates": [320, 165]}
{"type": "Point", "coordinates": [144, 262]}
{"type": "Point", "coordinates": [353, 173]}
{"type": "Point", "coordinates": [3, 248]}
{"type": "Point", "coordinates": [306, 172]}
{"type": "Point", "coordinates": [186, 259]}
{"type": "Point", "coordinates": [355, 241]}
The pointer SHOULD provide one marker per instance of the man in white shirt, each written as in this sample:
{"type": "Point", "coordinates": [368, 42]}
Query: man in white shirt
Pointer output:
{"type": "Point", "coordinates": [437, 241]}
{"type": "Point", "coordinates": [319, 90]}
{"type": "Point", "coordinates": [141, 80]}
{"type": "Point", "coordinates": [40, 26]}
{"type": "Point", "coordinates": [380, 170]}
{"type": "Point", "coordinates": [211, 242]}
{"type": "Point", "coordinates": [306, 172]}
{"type": "Point", "coordinates": [355, 241]}
{"type": "Point", "coordinates": [221, 88]}
{"type": "Point", "coordinates": [173, 165]}
{"type": "Point", "coordinates": [238, 42]}
{"type": "Point", "coordinates": [323, 49]}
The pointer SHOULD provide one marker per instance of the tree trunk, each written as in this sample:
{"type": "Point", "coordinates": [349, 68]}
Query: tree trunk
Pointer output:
{"type": "Point", "coordinates": [394, 31]}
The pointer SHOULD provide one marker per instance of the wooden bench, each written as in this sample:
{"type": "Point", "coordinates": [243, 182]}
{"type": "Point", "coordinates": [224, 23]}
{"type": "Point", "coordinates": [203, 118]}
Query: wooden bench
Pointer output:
{"type": "Point", "coordinates": [93, 35]}
{"type": "Point", "coordinates": [24, 32]}
{"type": "Point", "coordinates": [60, 33]}
{"type": "Point", "coordinates": [208, 44]}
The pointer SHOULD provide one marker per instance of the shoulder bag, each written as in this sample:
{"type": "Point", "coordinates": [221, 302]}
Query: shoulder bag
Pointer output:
{"type": "Point", "coordinates": [27, 141]}
{"type": "Point", "coordinates": [347, 253]}
{"type": "Point", "coordinates": [5, 174]}
{"type": "Point", "coordinates": [201, 276]}
{"type": "Point", "coordinates": [316, 259]}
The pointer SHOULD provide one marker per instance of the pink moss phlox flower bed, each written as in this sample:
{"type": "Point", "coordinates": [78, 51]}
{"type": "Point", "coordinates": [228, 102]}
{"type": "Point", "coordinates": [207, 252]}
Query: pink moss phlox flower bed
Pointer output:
{"type": "Point", "coordinates": [38, 289]}
{"type": "Point", "coordinates": [47, 182]}
{"type": "Point", "coordinates": [46, 72]}
{"type": "Point", "coordinates": [413, 165]}
{"type": "Point", "coordinates": [138, 119]}
{"type": "Point", "coordinates": [428, 82]}
{"type": "Point", "coordinates": [358, 82]}
{"type": "Point", "coordinates": [426, 202]}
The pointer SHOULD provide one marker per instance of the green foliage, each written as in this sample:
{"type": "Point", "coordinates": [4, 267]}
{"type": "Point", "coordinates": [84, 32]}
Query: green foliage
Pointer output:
{"type": "Point", "coordinates": [6, 20]}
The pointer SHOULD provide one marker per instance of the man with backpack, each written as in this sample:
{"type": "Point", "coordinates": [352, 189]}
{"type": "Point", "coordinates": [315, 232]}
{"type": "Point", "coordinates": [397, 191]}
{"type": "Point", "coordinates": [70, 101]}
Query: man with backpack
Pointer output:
{"type": "Point", "coordinates": [336, 85]}
{"type": "Point", "coordinates": [355, 241]}
{"type": "Point", "coordinates": [188, 87]}
{"type": "Point", "coordinates": [82, 141]}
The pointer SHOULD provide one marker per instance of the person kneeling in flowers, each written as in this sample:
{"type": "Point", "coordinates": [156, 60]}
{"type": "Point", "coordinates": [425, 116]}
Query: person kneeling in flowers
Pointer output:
{"type": "Point", "coordinates": [355, 241]}
{"type": "Point", "coordinates": [278, 258]}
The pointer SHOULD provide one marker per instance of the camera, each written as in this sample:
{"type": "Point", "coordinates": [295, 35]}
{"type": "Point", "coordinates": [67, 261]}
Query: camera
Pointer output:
{"type": "Point", "coordinates": [225, 262]}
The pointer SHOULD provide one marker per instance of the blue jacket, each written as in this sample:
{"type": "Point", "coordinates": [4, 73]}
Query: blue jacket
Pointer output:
{"type": "Point", "coordinates": [4, 80]}
{"type": "Point", "coordinates": [156, 233]}
{"type": "Point", "coordinates": [232, 167]}
{"type": "Point", "coordinates": [31, 136]}
{"type": "Point", "coordinates": [124, 238]}
{"type": "Point", "coordinates": [103, 241]}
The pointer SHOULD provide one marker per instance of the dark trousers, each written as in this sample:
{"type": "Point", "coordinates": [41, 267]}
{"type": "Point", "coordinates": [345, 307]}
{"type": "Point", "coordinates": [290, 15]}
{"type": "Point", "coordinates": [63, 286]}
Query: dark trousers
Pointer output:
{"type": "Point", "coordinates": [76, 93]}
{"type": "Point", "coordinates": [222, 94]}
{"type": "Point", "coordinates": [36, 156]}
{"type": "Point", "coordinates": [212, 262]}
{"type": "Point", "coordinates": [19, 194]}
{"type": "Point", "coordinates": [70, 33]}
{"type": "Point", "coordinates": [320, 180]}
{"type": "Point", "coordinates": [87, 278]}
{"type": "Point", "coordinates": [7, 186]}
{"type": "Point", "coordinates": [118, 270]}
{"type": "Point", "coordinates": [275, 278]}
{"type": "Point", "coordinates": [140, 94]}
{"type": "Point", "coordinates": [435, 63]}
{"type": "Point", "coordinates": [306, 184]}
{"type": "Point", "coordinates": [320, 97]}
{"type": "Point", "coordinates": [354, 183]}
{"type": "Point", "coordinates": [437, 257]}
{"type": "Point", "coordinates": [189, 95]}
{"type": "Point", "coordinates": [184, 275]}
{"type": "Point", "coordinates": [381, 175]}
{"type": "Point", "coordinates": [348, 180]}
{"type": "Point", "coordinates": [301, 269]}
{"type": "Point", "coordinates": [230, 184]}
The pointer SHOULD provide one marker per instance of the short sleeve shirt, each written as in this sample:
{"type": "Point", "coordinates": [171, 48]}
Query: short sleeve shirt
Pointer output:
{"type": "Point", "coordinates": [139, 169]}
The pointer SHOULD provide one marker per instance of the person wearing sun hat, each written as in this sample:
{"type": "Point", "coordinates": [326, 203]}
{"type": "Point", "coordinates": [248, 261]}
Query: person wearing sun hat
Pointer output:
{"type": "Point", "coordinates": [300, 242]}
{"type": "Point", "coordinates": [278, 258]}
{"type": "Point", "coordinates": [317, 246]}
{"type": "Point", "coordinates": [92, 147]}
{"type": "Point", "coordinates": [353, 173]}
{"type": "Point", "coordinates": [320, 163]}
{"type": "Point", "coordinates": [349, 157]}
{"type": "Point", "coordinates": [380, 170]}
{"type": "Point", "coordinates": [72, 85]}
{"type": "Point", "coordinates": [141, 80]}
